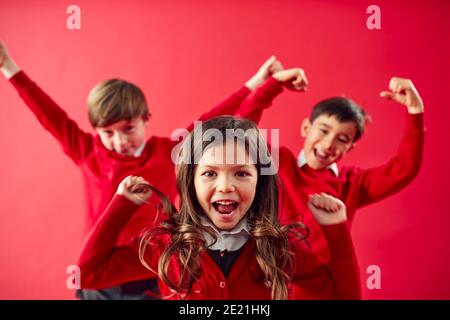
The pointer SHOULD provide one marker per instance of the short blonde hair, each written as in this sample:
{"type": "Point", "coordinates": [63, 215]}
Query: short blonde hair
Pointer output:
{"type": "Point", "coordinates": [114, 100]}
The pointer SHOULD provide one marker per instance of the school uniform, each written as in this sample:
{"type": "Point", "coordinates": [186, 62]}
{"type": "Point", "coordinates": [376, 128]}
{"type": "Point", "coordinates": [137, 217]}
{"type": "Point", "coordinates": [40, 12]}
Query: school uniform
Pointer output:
{"type": "Point", "coordinates": [356, 187]}
{"type": "Point", "coordinates": [103, 263]}
{"type": "Point", "coordinates": [102, 169]}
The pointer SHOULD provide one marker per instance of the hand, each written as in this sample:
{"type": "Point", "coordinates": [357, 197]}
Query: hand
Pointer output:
{"type": "Point", "coordinates": [7, 65]}
{"type": "Point", "coordinates": [4, 54]}
{"type": "Point", "coordinates": [135, 189]}
{"type": "Point", "coordinates": [271, 66]}
{"type": "Point", "coordinates": [293, 79]}
{"type": "Point", "coordinates": [404, 92]}
{"type": "Point", "coordinates": [327, 210]}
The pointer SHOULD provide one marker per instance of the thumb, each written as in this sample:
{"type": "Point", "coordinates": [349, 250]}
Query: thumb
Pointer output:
{"type": "Point", "coordinates": [390, 95]}
{"type": "Point", "coordinates": [397, 97]}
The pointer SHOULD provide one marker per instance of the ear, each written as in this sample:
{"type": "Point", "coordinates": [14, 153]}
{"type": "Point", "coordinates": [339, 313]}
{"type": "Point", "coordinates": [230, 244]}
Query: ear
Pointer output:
{"type": "Point", "coordinates": [306, 125]}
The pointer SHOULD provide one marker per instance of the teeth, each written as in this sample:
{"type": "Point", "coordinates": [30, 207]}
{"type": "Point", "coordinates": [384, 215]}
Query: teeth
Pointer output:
{"type": "Point", "coordinates": [322, 155]}
{"type": "Point", "coordinates": [225, 207]}
{"type": "Point", "coordinates": [225, 202]}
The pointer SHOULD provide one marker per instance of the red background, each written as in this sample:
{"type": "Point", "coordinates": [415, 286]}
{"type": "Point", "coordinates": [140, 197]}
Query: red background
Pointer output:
{"type": "Point", "coordinates": [188, 55]}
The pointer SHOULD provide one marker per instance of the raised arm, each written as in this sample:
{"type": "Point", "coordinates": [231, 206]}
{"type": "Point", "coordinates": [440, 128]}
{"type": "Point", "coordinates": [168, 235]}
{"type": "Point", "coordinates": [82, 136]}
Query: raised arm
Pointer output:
{"type": "Point", "coordinates": [231, 105]}
{"type": "Point", "coordinates": [253, 107]}
{"type": "Point", "coordinates": [102, 263]}
{"type": "Point", "coordinates": [330, 213]}
{"type": "Point", "coordinates": [76, 143]}
{"type": "Point", "coordinates": [380, 182]}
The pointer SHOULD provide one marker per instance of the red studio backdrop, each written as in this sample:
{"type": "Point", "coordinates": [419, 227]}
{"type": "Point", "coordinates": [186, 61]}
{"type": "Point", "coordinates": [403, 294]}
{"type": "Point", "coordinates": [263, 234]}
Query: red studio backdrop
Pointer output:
{"type": "Point", "coordinates": [188, 55]}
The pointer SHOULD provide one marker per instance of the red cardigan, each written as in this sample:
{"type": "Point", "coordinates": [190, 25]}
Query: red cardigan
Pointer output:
{"type": "Point", "coordinates": [102, 169]}
{"type": "Point", "coordinates": [356, 187]}
{"type": "Point", "coordinates": [104, 264]}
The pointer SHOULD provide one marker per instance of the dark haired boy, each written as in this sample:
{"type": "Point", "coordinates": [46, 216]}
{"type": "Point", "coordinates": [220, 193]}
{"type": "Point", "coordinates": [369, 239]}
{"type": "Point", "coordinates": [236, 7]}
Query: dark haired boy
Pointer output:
{"type": "Point", "coordinates": [329, 133]}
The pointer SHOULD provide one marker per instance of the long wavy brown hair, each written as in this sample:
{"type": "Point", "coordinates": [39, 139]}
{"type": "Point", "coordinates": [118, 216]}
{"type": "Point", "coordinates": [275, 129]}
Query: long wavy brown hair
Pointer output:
{"type": "Point", "coordinates": [184, 226]}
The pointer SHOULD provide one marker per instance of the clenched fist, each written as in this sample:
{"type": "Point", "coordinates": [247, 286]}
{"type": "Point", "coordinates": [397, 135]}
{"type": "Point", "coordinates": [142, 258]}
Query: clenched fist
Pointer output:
{"type": "Point", "coordinates": [327, 210]}
{"type": "Point", "coordinates": [268, 68]}
{"type": "Point", "coordinates": [293, 79]}
{"type": "Point", "coordinates": [135, 189]}
{"type": "Point", "coordinates": [403, 91]}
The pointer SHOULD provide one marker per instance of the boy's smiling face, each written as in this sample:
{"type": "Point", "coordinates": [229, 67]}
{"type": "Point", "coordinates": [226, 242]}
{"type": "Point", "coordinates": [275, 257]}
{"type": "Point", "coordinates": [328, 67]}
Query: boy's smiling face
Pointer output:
{"type": "Point", "coordinates": [327, 140]}
{"type": "Point", "coordinates": [124, 136]}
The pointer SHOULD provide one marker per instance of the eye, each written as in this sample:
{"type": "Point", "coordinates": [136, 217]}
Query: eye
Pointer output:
{"type": "Point", "coordinates": [129, 129]}
{"type": "Point", "coordinates": [209, 174]}
{"type": "Point", "coordinates": [108, 133]}
{"type": "Point", "coordinates": [242, 173]}
{"type": "Point", "coordinates": [323, 131]}
{"type": "Point", "coordinates": [343, 140]}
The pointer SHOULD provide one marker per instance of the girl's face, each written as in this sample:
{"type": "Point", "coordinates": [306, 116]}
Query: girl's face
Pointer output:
{"type": "Point", "coordinates": [225, 188]}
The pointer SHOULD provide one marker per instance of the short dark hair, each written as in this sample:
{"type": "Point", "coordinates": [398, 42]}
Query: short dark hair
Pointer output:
{"type": "Point", "coordinates": [345, 110]}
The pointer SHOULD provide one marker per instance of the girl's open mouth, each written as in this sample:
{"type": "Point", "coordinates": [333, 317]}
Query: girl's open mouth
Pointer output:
{"type": "Point", "coordinates": [225, 206]}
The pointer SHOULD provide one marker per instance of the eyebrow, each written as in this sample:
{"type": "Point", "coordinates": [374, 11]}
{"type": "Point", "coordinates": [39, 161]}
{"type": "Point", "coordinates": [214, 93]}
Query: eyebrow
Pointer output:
{"type": "Point", "coordinates": [324, 124]}
{"type": "Point", "coordinates": [234, 167]}
{"type": "Point", "coordinates": [126, 124]}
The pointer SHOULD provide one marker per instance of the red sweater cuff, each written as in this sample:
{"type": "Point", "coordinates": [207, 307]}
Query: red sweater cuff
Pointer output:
{"type": "Point", "coordinates": [119, 211]}
{"type": "Point", "coordinates": [243, 92]}
{"type": "Point", "coordinates": [271, 88]}
{"type": "Point", "coordinates": [263, 96]}
{"type": "Point", "coordinates": [415, 123]}
{"type": "Point", "coordinates": [120, 202]}
{"type": "Point", "coordinates": [339, 240]}
{"type": "Point", "coordinates": [20, 80]}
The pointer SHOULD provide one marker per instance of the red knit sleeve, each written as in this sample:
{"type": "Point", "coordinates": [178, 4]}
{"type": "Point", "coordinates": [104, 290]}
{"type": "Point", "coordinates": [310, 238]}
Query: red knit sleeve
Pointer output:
{"type": "Point", "coordinates": [229, 106]}
{"type": "Point", "coordinates": [76, 143]}
{"type": "Point", "coordinates": [343, 263]}
{"type": "Point", "coordinates": [338, 278]}
{"type": "Point", "coordinates": [253, 107]}
{"type": "Point", "coordinates": [102, 263]}
{"type": "Point", "coordinates": [377, 183]}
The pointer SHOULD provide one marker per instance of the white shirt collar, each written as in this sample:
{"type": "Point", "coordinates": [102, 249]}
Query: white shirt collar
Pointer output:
{"type": "Point", "coordinates": [230, 240]}
{"type": "Point", "coordinates": [139, 150]}
{"type": "Point", "coordinates": [301, 161]}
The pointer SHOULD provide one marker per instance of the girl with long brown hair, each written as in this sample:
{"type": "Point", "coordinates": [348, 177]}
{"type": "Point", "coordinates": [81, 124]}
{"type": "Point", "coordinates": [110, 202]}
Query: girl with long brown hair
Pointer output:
{"type": "Point", "coordinates": [225, 241]}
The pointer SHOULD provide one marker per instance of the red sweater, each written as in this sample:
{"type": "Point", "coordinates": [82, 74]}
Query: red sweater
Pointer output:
{"type": "Point", "coordinates": [105, 264]}
{"type": "Point", "coordinates": [102, 169]}
{"type": "Point", "coordinates": [356, 187]}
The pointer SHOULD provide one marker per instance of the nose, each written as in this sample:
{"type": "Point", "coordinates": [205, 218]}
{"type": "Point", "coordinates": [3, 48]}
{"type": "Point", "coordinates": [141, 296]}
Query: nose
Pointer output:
{"type": "Point", "coordinates": [225, 184]}
{"type": "Point", "coordinates": [120, 140]}
{"type": "Point", "coordinates": [329, 143]}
